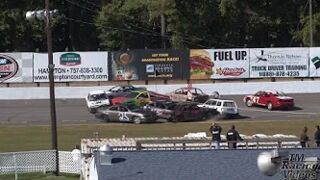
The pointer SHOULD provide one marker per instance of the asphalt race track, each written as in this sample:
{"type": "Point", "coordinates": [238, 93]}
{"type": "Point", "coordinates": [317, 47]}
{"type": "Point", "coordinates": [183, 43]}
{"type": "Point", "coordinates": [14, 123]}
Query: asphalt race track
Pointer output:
{"type": "Point", "coordinates": [73, 111]}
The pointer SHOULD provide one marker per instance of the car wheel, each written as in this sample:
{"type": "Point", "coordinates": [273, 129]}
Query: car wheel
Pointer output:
{"type": "Point", "coordinates": [249, 102]}
{"type": "Point", "coordinates": [269, 106]}
{"type": "Point", "coordinates": [106, 118]}
{"type": "Point", "coordinates": [92, 110]}
{"type": "Point", "coordinates": [137, 120]}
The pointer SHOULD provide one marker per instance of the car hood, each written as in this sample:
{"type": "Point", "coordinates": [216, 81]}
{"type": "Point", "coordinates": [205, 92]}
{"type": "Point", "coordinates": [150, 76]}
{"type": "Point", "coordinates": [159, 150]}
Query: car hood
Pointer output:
{"type": "Point", "coordinates": [119, 99]}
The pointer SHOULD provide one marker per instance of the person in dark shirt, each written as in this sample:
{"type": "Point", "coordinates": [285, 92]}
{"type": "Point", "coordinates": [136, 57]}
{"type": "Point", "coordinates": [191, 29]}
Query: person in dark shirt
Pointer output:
{"type": "Point", "coordinates": [317, 136]}
{"type": "Point", "coordinates": [215, 131]}
{"type": "Point", "coordinates": [232, 137]}
{"type": "Point", "coordinates": [304, 138]}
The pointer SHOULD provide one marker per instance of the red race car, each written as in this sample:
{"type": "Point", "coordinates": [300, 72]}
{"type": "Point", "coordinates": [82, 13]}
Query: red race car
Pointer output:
{"type": "Point", "coordinates": [270, 99]}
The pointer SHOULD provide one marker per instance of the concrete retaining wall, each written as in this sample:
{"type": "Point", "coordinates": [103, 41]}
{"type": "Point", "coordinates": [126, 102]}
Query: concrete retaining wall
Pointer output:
{"type": "Point", "coordinates": [233, 88]}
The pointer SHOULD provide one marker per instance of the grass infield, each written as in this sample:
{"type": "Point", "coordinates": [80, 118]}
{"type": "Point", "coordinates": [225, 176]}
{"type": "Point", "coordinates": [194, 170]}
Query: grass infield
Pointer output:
{"type": "Point", "coordinates": [25, 138]}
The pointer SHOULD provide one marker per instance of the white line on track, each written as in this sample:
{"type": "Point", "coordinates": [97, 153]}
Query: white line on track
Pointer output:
{"type": "Point", "coordinates": [281, 112]}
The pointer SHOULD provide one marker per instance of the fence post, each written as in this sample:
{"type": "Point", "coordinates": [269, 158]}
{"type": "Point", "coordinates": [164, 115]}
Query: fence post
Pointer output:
{"type": "Point", "coordinates": [15, 167]}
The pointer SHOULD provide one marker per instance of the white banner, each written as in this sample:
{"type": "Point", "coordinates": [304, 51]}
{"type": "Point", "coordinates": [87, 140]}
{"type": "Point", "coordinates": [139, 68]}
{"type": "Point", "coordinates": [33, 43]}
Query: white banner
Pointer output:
{"type": "Point", "coordinates": [230, 63]}
{"type": "Point", "coordinates": [72, 66]}
{"type": "Point", "coordinates": [279, 62]}
{"type": "Point", "coordinates": [16, 67]}
{"type": "Point", "coordinates": [314, 62]}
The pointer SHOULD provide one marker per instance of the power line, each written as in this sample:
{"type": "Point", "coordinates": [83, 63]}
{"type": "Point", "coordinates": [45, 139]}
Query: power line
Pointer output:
{"type": "Point", "coordinates": [149, 32]}
{"type": "Point", "coordinates": [133, 31]}
{"type": "Point", "coordinates": [79, 5]}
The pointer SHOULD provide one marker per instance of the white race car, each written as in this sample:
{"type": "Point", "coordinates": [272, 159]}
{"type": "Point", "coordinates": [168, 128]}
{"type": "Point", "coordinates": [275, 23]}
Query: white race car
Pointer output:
{"type": "Point", "coordinates": [96, 99]}
{"type": "Point", "coordinates": [226, 108]}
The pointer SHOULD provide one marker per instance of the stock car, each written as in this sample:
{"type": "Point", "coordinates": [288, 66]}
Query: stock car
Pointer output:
{"type": "Point", "coordinates": [125, 113]}
{"type": "Point", "coordinates": [96, 99]}
{"type": "Point", "coordinates": [125, 88]}
{"type": "Point", "coordinates": [271, 99]}
{"type": "Point", "coordinates": [164, 109]}
{"type": "Point", "coordinates": [139, 98]}
{"type": "Point", "coordinates": [190, 111]}
{"type": "Point", "coordinates": [225, 107]}
{"type": "Point", "coordinates": [189, 94]}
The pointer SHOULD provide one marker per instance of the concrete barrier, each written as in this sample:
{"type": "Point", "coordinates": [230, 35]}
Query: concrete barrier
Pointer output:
{"type": "Point", "coordinates": [233, 88]}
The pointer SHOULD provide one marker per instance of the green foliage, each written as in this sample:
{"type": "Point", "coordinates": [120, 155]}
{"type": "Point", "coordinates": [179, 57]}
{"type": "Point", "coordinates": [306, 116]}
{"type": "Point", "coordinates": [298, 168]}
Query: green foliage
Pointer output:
{"type": "Point", "coordinates": [304, 34]}
{"type": "Point", "coordinates": [136, 24]}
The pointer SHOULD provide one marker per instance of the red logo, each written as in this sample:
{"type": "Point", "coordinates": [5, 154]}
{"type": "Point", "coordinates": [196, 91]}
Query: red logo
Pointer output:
{"type": "Point", "coordinates": [230, 71]}
{"type": "Point", "coordinates": [8, 67]}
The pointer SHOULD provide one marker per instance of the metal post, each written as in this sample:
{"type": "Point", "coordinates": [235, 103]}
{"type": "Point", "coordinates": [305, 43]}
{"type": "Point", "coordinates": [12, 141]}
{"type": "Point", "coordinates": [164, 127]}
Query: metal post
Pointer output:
{"type": "Point", "coordinates": [311, 26]}
{"type": "Point", "coordinates": [54, 136]}
{"type": "Point", "coordinates": [163, 25]}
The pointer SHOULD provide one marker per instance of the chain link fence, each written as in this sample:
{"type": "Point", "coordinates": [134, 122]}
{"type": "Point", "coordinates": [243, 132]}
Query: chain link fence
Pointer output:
{"type": "Point", "coordinates": [39, 161]}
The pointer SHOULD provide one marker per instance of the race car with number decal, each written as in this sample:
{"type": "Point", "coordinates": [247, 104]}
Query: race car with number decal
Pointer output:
{"type": "Point", "coordinates": [189, 94]}
{"type": "Point", "coordinates": [139, 98]}
{"type": "Point", "coordinates": [271, 99]}
{"type": "Point", "coordinates": [124, 113]}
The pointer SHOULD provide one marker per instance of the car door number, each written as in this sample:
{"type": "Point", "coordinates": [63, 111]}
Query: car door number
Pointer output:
{"type": "Point", "coordinates": [123, 116]}
{"type": "Point", "coordinates": [256, 99]}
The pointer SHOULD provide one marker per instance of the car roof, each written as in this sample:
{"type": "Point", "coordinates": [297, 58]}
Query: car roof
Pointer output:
{"type": "Point", "coordinates": [228, 100]}
{"type": "Point", "coordinates": [270, 91]}
{"type": "Point", "coordinates": [189, 88]}
{"type": "Point", "coordinates": [96, 92]}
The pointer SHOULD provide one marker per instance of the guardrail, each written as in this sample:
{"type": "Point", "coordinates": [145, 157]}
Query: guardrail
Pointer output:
{"type": "Point", "coordinates": [188, 144]}
{"type": "Point", "coordinates": [191, 144]}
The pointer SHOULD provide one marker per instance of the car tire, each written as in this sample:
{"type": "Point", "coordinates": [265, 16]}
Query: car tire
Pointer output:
{"type": "Point", "coordinates": [270, 106]}
{"type": "Point", "coordinates": [106, 118]}
{"type": "Point", "coordinates": [137, 120]}
{"type": "Point", "coordinates": [249, 102]}
{"type": "Point", "coordinates": [92, 110]}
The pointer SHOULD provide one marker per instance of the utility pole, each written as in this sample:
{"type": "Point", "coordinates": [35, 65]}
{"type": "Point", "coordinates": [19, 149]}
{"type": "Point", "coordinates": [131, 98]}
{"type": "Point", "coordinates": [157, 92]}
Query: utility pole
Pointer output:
{"type": "Point", "coordinates": [54, 135]}
{"type": "Point", "coordinates": [310, 21]}
{"type": "Point", "coordinates": [46, 15]}
{"type": "Point", "coordinates": [163, 25]}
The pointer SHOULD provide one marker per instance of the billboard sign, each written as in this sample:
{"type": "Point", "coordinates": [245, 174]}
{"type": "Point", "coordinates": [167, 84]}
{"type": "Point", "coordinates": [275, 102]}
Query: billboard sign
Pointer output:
{"type": "Point", "coordinates": [150, 64]}
{"type": "Point", "coordinates": [75, 66]}
{"type": "Point", "coordinates": [279, 62]}
{"type": "Point", "coordinates": [219, 63]}
{"type": "Point", "coordinates": [16, 67]}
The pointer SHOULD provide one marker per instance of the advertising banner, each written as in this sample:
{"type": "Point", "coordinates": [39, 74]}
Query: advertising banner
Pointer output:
{"type": "Point", "coordinates": [279, 62]}
{"type": "Point", "coordinates": [219, 63]}
{"type": "Point", "coordinates": [16, 67]}
{"type": "Point", "coordinates": [72, 66]}
{"type": "Point", "coordinates": [150, 64]}
{"type": "Point", "coordinates": [314, 62]}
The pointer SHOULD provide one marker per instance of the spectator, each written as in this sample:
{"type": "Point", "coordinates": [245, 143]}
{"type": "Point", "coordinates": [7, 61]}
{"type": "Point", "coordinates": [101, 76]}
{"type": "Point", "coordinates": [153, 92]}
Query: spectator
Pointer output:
{"type": "Point", "coordinates": [76, 153]}
{"type": "Point", "coordinates": [304, 139]}
{"type": "Point", "coordinates": [215, 130]}
{"type": "Point", "coordinates": [232, 137]}
{"type": "Point", "coordinates": [317, 136]}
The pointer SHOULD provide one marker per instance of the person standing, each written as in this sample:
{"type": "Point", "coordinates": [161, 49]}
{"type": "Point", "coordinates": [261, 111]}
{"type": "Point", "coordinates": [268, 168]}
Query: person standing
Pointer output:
{"type": "Point", "coordinates": [232, 137]}
{"type": "Point", "coordinates": [317, 136]}
{"type": "Point", "coordinates": [215, 131]}
{"type": "Point", "coordinates": [304, 138]}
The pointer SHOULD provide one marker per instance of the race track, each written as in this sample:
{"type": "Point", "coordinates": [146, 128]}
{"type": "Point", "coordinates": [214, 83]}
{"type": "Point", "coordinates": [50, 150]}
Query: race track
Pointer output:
{"type": "Point", "coordinates": [73, 111]}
